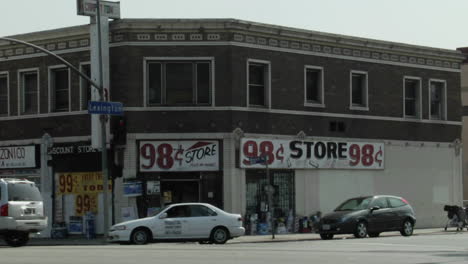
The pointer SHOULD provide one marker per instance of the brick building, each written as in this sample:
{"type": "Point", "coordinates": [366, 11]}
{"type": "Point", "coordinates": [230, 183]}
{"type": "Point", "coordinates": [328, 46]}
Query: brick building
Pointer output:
{"type": "Point", "coordinates": [338, 116]}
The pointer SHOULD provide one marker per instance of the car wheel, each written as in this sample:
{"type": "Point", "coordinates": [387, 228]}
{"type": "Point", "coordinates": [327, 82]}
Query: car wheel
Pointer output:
{"type": "Point", "coordinates": [407, 229]}
{"type": "Point", "coordinates": [140, 237]}
{"type": "Point", "coordinates": [326, 236]}
{"type": "Point", "coordinates": [361, 230]}
{"type": "Point", "coordinates": [374, 234]}
{"type": "Point", "coordinates": [219, 235]}
{"type": "Point", "coordinates": [17, 239]}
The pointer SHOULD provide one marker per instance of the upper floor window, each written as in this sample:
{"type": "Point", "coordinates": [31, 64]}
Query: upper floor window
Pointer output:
{"type": "Point", "coordinates": [179, 82]}
{"type": "Point", "coordinates": [313, 80]}
{"type": "Point", "coordinates": [4, 94]}
{"type": "Point", "coordinates": [85, 86]}
{"type": "Point", "coordinates": [359, 91]}
{"type": "Point", "coordinates": [258, 86]}
{"type": "Point", "coordinates": [59, 89]}
{"type": "Point", "coordinates": [28, 92]}
{"type": "Point", "coordinates": [412, 97]}
{"type": "Point", "coordinates": [437, 99]}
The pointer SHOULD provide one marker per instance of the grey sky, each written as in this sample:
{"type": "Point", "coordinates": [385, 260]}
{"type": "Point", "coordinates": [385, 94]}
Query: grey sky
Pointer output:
{"type": "Point", "coordinates": [434, 23]}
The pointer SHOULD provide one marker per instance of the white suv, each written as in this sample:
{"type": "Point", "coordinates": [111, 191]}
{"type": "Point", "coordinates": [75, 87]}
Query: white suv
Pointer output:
{"type": "Point", "coordinates": [21, 211]}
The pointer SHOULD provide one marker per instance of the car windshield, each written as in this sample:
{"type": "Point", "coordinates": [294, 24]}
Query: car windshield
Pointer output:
{"type": "Point", "coordinates": [23, 192]}
{"type": "Point", "coordinates": [355, 204]}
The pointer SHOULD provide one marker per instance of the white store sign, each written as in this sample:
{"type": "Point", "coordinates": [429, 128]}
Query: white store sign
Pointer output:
{"type": "Point", "coordinates": [311, 154]}
{"type": "Point", "coordinates": [200, 155]}
{"type": "Point", "coordinates": [17, 157]}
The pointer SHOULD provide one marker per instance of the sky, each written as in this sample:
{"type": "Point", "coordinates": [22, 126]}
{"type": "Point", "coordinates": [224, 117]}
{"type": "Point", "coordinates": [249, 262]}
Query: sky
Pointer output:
{"type": "Point", "coordinates": [433, 23]}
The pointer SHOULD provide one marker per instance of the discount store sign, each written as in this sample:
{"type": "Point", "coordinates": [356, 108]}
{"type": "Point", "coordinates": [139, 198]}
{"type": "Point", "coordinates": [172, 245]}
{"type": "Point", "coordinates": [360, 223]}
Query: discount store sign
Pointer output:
{"type": "Point", "coordinates": [302, 154]}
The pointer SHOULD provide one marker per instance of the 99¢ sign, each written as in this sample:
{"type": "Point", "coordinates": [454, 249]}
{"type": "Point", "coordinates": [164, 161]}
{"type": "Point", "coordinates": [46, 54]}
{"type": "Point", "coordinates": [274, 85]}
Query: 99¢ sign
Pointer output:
{"type": "Point", "coordinates": [297, 154]}
{"type": "Point", "coordinates": [179, 155]}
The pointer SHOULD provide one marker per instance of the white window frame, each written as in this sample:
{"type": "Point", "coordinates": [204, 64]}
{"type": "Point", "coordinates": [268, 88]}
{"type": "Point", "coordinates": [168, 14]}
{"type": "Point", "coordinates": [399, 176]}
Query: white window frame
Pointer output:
{"type": "Point", "coordinates": [321, 88]}
{"type": "Point", "coordinates": [21, 73]}
{"type": "Point", "coordinates": [147, 60]}
{"type": "Point", "coordinates": [444, 99]}
{"type": "Point", "coordinates": [52, 89]}
{"type": "Point", "coordinates": [7, 74]}
{"type": "Point", "coordinates": [366, 92]}
{"type": "Point", "coordinates": [82, 83]}
{"type": "Point", "coordinates": [267, 82]}
{"type": "Point", "coordinates": [418, 98]}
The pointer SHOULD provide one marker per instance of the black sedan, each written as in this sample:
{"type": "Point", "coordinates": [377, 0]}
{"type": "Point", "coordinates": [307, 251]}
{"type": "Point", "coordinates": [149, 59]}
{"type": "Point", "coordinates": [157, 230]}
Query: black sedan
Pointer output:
{"type": "Point", "coordinates": [369, 215]}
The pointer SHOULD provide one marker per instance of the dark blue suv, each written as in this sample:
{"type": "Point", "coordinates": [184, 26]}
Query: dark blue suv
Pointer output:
{"type": "Point", "coordinates": [369, 215]}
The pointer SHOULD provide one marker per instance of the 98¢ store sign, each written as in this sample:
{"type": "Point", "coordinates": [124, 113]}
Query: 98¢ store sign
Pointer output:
{"type": "Point", "coordinates": [304, 154]}
{"type": "Point", "coordinates": [184, 155]}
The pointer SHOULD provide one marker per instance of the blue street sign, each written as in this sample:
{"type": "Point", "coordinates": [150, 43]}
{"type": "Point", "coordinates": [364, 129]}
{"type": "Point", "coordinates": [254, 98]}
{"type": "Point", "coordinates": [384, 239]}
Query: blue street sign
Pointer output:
{"type": "Point", "coordinates": [105, 108]}
{"type": "Point", "coordinates": [257, 160]}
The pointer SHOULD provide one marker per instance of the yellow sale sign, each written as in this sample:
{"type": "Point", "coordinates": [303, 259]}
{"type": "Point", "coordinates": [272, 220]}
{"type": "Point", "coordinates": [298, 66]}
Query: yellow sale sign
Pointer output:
{"type": "Point", "coordinates": [80, 183]}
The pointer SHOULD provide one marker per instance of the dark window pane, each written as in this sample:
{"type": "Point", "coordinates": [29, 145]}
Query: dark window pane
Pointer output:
{"type": "Point", "coordinates": [30, 93]}
{"type": "Point", "coordinates": [358, 89]}
{"type": "Point", "coordinates": [411, 88]}
{"type": "Point", "coordinates": [410, 108]}
{"type": "Point", "coordinates": [60, 83]}
{"type": "Point", "coordinates": [85, 86]}
{"type": "Point", "coordinates": [3, 95]}
{"type": "Point", "coordinates": [411, 97]}
{"type": "Point", "coordinates": [257, 84]}
{"type": "Point", "coordinates": [203, 83]}
{"type": "Point", "coordinates": [436, 99]}
{"type": "Point", "coordinates": [313, 84]}
{"type": "Point", "coordinates": [154, 83]}
{"type": "Point", "coordinates": [179, 83]}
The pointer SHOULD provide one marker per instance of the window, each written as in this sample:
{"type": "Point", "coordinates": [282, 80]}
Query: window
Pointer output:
{"type": "Point", "coordinates": [178, 211]}
{"type": "Point", "coordinates": [437, 99]}
{"type": "Point", "coordinates": [29, 92]}
{"type": "Point", "coordinates": [4, 104]}
{"type": "Point", "coordinates": [179, 83]}
{"type": "Point", "coordinates": [394, 202]}
{"type": "Point", "coordinates": [359, 90]}
{"type": "Point", "coordinates": [85, 86]}
{"type": "Point", "coordinates": [412, 97]}
{"type": "Point", "coordinates": [59, 90]}
{"type": "Point", "coordinates": [313, 86]}
{"type": "Point", "coordinates": [380, 202]}
{"type": "Point", "coordinates": [258, 76]}
{"type": "Point", "coordinates": [200, 210]}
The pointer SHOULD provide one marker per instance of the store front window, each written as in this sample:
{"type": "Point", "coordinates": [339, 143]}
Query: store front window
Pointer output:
{"type": "Point", "coordinates": [257, 211]}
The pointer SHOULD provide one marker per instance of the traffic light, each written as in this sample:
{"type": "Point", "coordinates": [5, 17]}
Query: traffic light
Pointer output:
{"type": "Point", "coordinates": [120, 130]}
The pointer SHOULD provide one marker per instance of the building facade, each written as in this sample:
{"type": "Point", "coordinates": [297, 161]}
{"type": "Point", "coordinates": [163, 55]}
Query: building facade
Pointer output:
{"type": "Point", "coordinates": [207, 100]}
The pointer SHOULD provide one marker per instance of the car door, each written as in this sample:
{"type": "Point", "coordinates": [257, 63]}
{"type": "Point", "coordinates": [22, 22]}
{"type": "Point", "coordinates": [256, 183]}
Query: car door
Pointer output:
{"type": "Point", "coordinates": [175, 225]}
{"type": "Point", "coordinates": [399, 211]}
{"type": "Point", "coordinates": [380, 219]}
{"type": "Point", "coordinates": [201, 221]}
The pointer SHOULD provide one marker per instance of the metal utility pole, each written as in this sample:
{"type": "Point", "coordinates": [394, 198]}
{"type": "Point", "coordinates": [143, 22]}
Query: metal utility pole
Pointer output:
{"type": "Point", "coordinates": [270, 191]}
{"type": "Point", "coordinates": [105, 171]}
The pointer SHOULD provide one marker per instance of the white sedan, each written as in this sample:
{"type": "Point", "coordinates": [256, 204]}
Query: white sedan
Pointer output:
{"type": "Point", "coordinates": [186, 221]}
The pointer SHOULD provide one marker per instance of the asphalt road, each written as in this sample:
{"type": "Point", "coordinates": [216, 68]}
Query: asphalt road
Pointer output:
{"type": "Point", "coordinates": [422, 249]}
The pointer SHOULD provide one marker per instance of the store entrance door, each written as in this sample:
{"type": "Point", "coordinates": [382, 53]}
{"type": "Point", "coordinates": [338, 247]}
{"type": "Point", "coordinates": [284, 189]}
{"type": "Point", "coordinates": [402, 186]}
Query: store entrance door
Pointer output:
{"type": "Point", "coordinates": [182, 191]}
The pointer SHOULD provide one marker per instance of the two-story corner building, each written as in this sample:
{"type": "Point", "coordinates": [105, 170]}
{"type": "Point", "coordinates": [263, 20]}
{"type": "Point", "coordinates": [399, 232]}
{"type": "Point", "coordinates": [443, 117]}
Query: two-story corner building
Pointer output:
{"type": "Point", "coordinates": [336, 116]}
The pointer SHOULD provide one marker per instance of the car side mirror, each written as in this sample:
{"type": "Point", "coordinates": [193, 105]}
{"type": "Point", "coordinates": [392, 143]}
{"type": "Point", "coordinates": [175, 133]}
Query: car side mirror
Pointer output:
{"type": "Point", "coordinates": [162, 216]}
{"type": "Point", "coordinates": [374, 208]}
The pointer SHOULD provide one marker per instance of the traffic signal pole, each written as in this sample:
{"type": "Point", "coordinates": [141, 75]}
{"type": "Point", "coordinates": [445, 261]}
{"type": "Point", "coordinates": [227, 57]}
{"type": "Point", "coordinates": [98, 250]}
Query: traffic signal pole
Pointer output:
{"type": "Point", "coordinates": [103, 118]}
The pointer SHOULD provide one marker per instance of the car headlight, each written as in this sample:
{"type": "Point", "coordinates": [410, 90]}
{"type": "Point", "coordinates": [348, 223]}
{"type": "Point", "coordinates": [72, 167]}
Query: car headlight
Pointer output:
{"type": "Point", "coordinates": [119, 227]}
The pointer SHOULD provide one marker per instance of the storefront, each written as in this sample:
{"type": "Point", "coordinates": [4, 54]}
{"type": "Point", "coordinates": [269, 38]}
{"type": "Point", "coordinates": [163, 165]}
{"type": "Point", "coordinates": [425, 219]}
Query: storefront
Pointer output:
{"type": "Point", "coordinates": [177, 172]}
{"type": "Point", "coordinates": [77, 187]}
{"type": "Point", "coordinates": [277, 161]}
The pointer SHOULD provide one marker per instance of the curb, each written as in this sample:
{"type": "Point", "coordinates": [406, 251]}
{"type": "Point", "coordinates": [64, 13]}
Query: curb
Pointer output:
{"type": "Point", "coordinates": [241, 240]}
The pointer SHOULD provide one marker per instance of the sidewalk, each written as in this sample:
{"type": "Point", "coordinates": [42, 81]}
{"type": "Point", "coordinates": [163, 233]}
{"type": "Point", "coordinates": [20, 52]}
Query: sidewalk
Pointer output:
{"type": "Point", "coordinates": [82, 241]}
